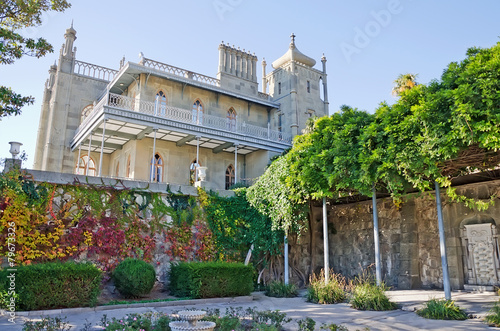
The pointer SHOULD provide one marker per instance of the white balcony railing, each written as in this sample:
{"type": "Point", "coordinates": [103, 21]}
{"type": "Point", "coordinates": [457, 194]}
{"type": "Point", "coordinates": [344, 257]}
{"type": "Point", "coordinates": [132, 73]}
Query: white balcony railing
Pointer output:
{"type": "Point", "coordinates": [186, 116]}
{"type": "Point", "coordinates": [180, 72]}
{"type": "Point", "coordinates": [94, 71]}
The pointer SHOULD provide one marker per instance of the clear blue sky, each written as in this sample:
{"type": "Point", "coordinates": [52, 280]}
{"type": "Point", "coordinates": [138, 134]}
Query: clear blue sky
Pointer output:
{"type": "Point", "coordinates": [367, 43]}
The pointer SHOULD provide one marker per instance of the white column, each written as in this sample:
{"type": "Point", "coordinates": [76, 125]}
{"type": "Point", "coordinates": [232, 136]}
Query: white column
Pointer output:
{"type": "Point", "coordinates": [153, 174]}
{"type": "Point", "coordinates": [235, 163]}
{"type": "Point", "coordinates": [197, 159]}
{"type": "Point", "coordinates": [78, 160]}
{"type": "Point", "coordinates": [227, 67]}
{"type": "Point", "coordinates": [102, 147]}
{"type": "Point", "coordinates": [442, 244]}
{"type": "Point", "coordinates": [376, 240]}
{"type": "Point", "coordinates": [88, 156]}
{"type": "Point", "coordinates": [325, 243]}
{"type": "Point", "coordinates": [286, 261]}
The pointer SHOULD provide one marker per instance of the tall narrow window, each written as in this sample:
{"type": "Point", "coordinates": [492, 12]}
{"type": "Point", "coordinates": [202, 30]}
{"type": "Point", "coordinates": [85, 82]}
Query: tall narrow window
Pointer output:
{"type": "Point", "coordinates": [229, 176]}
{"type": "Point", "coordinates": [81, 167]}
{"type": "Point", "coordinates": [279, 88]}
{"type": "Point", "coordinates": [128, 167]}
{"type": "Point", "coordinates": [198, 112]}
{"type": "Point", "coordinates": [308, 87]}
{"type": "Point", "coordinates": [192, 171]}
{"type": "Point", "coordinates": [231, 119]}
{"type": "Point", "coordinates": [160, 103]}
{"type": "Point", "coordinates": [156, 168]}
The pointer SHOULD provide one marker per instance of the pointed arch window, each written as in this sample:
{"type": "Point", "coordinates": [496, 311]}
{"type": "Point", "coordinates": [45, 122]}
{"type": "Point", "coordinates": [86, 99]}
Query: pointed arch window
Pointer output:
{"type": "Point", "coordinates": [231, 119]}
{"type": "Point", "coordinates": [198, 112]}
{"type": "Point", "coordinates": [81, 167]}
{"type": "Point", "coordinates": [308, 87]}
{"type": "Point", "coordinates": [86, 112]}
{"type": "Point", "coordinates": [160, 103]}
{"type": "Point", "coordinates": [192, 171]}
{"type": "Point", "coordinates": [157, 168]}
{"type": "Point", "coordinates": [229, 176]}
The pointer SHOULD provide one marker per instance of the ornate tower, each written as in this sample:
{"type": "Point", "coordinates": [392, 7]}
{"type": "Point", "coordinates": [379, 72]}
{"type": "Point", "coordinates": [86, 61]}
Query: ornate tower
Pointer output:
{"type": "Point", "coordinates": [297, 86]}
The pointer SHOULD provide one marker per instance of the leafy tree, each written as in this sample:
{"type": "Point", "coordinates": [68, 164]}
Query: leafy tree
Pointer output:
{"type": "Point", "coordinates": [14, 16]}
{"type": "Point", "coordinates": [325, 162]}
{"type": "Point", "coordinates": [426, 133]}
{"type": "Point", "coordinates": [271, 196]}
{"type": "Point", "coordinates": [404, 82]}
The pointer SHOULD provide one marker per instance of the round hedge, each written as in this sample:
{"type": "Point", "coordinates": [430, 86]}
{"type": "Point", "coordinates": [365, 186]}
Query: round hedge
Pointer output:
{"type": "Point", "coordinates": [134, 278]}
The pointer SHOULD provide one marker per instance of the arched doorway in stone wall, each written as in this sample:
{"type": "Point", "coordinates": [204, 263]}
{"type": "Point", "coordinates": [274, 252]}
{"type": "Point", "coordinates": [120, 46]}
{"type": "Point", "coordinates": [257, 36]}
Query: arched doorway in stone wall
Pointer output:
{"type": "Point", "coordinates": [481, 252]}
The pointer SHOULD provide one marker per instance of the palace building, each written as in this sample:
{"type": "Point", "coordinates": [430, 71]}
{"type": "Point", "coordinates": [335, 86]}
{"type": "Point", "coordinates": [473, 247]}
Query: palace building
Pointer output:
{"type": "Point", "coordinates": [151, 121]}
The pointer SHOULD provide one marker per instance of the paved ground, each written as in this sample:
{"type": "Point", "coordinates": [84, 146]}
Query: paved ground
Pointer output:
{"type": "Point", "coordinates": [476, 304]}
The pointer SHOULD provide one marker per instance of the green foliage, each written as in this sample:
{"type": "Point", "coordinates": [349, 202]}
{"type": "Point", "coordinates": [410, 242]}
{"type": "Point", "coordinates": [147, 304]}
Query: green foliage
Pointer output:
{"type": "Point", "coordinates": [134, 278]}
{"type": "Point", "coordinates": [236, 225]}
{"type": "Point", "coordinates": [47, 324]}
{"type": "Point", "coordinates": [210, 279]}
{"type": "Point", "coordinates": [132, 322]}
{"type": "Point", "coordinates": [279, 289]}
{"type": "Point", "coordinates": [326, 161]}
{"type": "Point", "coordinates": [493, 317]}
{"type": "Point", "coordinates": [333, 327]}
{"type": "Point", "coordinates": [271, 196]}
{"type": "Point", "coordinates": [306, 324]}
{"type": "Point", "coordinates": [55, 285]}
{"type": "Point", "coordinates": [334, 291]}
{"type": "Point", "coordinates": [369, 296]}
{"type": "Point", "coordinates": [442, 310]}
{"type": "Point", "coordinates": [16, 15]}
{"type": "Point", "coordinates": [408, 145]}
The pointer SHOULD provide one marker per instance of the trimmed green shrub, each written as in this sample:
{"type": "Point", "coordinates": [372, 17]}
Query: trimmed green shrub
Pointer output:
{"type": "Point", "coordinates": [442, 310]}
{"type": "Point", "coordinates": [281, 290]}
{"type": "Point", "coordinates": [210, 279]}
{"type": "Point", "coordinates": [54, 285]}
{"type": "Point", "coordinates": [369, 296]}
{"type": "Point", "coordinates": [134, 278]}
{"type": "Point", "coordinates": [332, 292]}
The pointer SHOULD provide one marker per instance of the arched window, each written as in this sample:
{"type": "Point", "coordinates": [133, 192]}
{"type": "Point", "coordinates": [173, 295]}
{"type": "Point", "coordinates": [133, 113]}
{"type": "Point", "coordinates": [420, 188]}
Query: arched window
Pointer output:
{"type": "Point", "coordinates": [160, 103]}
{"type": "Point", "coordinates": [128, 167]}
{"type": "Point", "coordinates": [192, 171]}
{"type": "Point", "coordinates": [279, 88]}
{"type": "Point", "coordinates": [117, 170]}
{"type": "Point", "coordinates": [231, 119]}
{"type": "Point", "coordinates": [81, 167]}
{"type": "Point", "coordinates": [229, 176]}
{"type": "Point", "coordinates": [198, 112]}
{"type": "Point", "coordinates": [308, 87]}
{"type": "Point", "coordinates": [156, 168]}
{"type": "Point", "coordinates": [86, 112]}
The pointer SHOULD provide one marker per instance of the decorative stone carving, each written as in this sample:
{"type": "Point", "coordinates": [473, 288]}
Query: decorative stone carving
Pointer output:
{"type": "Point", "coordinates": [482, 257]}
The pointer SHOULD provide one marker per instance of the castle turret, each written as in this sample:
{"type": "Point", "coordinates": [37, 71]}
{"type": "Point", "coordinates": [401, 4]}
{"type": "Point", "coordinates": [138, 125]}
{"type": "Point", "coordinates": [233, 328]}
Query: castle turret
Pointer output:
{"type": "Point", "coordinates": [296, 85]}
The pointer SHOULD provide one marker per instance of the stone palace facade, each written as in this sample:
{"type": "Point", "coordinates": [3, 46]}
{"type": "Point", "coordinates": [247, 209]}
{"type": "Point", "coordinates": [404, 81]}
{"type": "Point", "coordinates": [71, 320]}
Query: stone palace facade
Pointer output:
{"type": "Point", "coordinates": [151, 121]}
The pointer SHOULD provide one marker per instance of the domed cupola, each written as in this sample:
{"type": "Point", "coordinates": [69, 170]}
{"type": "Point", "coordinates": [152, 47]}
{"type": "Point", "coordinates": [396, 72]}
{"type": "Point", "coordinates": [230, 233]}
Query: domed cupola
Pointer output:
{"type": "Point", "coordinates": [293, 54]}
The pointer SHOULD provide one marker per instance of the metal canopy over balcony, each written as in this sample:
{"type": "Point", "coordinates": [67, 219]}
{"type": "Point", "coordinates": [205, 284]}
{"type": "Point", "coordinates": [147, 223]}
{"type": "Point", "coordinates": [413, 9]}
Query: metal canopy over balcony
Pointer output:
{"type": "Point", "coordinates": [129, 119]}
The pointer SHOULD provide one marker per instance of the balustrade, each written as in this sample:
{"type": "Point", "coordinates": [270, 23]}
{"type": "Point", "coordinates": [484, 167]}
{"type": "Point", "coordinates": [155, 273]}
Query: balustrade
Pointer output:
{"type": "Point", "coordinates": [186, 116]}
{"type": "Point", "coordinates": [94, 71]}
